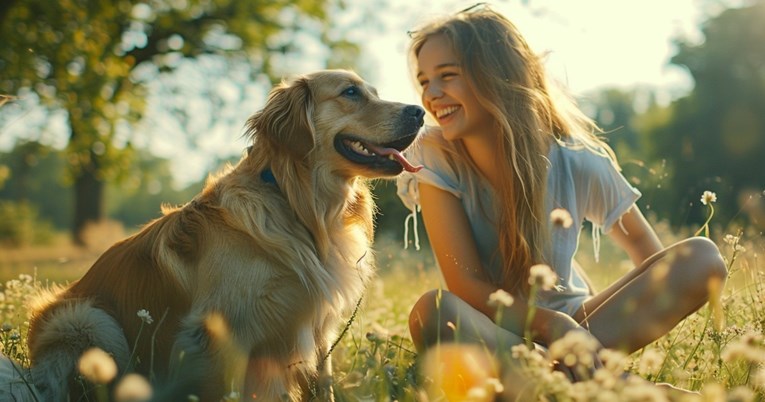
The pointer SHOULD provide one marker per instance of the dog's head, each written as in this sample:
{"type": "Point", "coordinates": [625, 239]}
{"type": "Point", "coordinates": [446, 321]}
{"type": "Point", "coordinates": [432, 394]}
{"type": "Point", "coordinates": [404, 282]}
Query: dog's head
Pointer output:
{"type": "Point", "coordinates": [334, 118]}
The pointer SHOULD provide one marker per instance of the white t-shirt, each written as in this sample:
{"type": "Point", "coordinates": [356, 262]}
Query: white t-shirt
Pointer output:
{"type": "Point", "coordinates": [586, 184]}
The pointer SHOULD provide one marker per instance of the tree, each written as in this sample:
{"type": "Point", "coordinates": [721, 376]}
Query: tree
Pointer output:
{"type": "Point", "coordinates": [714, 138]}
{"type": "Point", "coordinates": [94, 60]}
{"type": "Point", "coordinates": [33, 178]}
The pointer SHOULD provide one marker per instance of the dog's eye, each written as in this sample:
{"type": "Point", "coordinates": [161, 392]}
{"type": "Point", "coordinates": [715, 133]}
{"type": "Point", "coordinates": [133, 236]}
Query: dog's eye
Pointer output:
{"type": "Point", "coordinates": [351, 92]}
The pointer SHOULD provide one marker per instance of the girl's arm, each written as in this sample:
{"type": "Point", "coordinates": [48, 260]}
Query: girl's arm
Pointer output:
{"type": "Point", "coordinates": [452, 241]}
{"type": "Point", "coordinates": [636, 236]}
{"type": "Point", "coordinates": [638, 239]}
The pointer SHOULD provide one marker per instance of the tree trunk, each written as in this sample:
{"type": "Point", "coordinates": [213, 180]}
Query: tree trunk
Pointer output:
{"type": "Point", "coordinates": [88, 199]}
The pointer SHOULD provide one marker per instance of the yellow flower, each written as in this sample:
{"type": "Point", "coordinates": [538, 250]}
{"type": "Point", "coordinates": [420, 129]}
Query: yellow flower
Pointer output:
{"type": "Point", "coordinates": [461, 373]}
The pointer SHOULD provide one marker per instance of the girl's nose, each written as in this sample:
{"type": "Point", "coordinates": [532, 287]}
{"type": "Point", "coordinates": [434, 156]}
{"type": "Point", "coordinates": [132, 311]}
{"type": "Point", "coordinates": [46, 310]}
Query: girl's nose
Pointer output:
{"type": "Point", "coordinates": [433, 91]}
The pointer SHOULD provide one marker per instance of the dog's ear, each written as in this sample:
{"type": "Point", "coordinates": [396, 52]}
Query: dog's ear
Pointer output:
{"type": "Point", "coordinates": [286, 120]}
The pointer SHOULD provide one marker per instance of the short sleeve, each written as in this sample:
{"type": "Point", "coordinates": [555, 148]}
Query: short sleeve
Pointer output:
{"type": "Point", "coordinates": [608, 195]}
{"type": "Point", "coordinates": [438, 171]}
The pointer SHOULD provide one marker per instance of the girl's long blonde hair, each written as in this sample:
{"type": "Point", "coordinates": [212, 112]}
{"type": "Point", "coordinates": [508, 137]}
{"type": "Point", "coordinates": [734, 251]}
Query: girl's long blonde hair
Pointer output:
{"type": "Point", "coordinates": [509, 80]}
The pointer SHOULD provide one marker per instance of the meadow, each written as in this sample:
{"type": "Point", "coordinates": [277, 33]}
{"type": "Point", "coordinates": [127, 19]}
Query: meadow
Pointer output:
{"type": "Point", "coordinates": [717, 352]}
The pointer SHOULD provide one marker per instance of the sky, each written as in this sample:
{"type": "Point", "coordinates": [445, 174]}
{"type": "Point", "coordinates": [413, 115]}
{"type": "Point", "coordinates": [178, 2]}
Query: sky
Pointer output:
{"type": "Point", "coordinates": [590, 45]}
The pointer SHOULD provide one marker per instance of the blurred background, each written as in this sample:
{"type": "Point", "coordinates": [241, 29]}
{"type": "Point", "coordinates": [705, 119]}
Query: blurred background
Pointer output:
{"type": "Point", "coordinates": [111, 108]}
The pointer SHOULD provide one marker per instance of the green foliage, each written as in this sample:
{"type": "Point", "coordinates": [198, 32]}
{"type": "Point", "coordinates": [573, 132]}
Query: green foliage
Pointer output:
{"type": "Point", "coordinates": [94, 60]}
{"type": "Point", "coordinates": [714, 138]}
{"type": "Point", "coordinates": [148, 186]}
{"type": "Point", "coordinates": [20, 225]}
{"type": "Point", "coordinates": [34, 175]}
{"type": "Point", "coordinates": [720, 357]}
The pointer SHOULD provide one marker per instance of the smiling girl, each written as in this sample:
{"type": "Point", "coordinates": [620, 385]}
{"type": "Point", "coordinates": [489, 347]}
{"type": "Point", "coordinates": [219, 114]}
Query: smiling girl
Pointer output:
{"type": "Point", "coordinates": [507, 151]}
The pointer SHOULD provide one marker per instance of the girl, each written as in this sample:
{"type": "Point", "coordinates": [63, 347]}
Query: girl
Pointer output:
{"type": "Point", "coordinates": [507, 152]}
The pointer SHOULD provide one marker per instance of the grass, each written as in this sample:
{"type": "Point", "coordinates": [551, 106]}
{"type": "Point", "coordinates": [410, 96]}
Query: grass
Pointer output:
{"type": "Point", "coordinates": [721, 357]}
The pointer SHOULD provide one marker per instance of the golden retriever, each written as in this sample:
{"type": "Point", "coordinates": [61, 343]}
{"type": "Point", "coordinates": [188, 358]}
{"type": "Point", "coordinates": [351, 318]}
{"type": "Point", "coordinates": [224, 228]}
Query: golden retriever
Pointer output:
{"type": "Point", "coordinates": [249, 282]}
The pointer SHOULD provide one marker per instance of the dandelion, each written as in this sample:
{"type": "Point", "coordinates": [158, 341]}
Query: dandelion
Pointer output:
{"type": "Point", "coordinates": [576, 347]}
{"type": "Point", "coordinates": [613, 360]}
{"type": "Point", "coordinates": [561, 217]}
{"type": "Point", "coordinates": [542, 276]}
{"type": "Point", "coordinates": [758, 379]}
{"type": "Point", "coordinates": [741, 394]}
{"type": "Point", "coordinates": [713, 392]}
{"type": "Point", "coordinates": [643, 391]}
{"type": "Point", "coordinates": [133, 387]}
{"type": "Point", "coordinates": [650, 362]}
{"type": "Point", "coordinates": [97, 366]}
{"type": "Point", "coordinates": [145, 316]}
{"type": "Point", "coordinates": [708, 197]}
{"type": "Point", "coordinates": [748, 348]}
{"type": "Point", "coordinates": [501, 298]}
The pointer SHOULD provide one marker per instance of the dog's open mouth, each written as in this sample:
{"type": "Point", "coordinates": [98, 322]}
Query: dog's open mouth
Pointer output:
{"type": "Point", "coordinates": [385, 157]}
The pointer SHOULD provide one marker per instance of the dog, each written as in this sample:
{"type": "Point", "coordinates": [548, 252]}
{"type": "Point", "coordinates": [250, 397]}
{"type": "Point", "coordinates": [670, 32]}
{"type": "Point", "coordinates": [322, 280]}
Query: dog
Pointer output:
{"type": "Point", "coordinates": [249, 282]}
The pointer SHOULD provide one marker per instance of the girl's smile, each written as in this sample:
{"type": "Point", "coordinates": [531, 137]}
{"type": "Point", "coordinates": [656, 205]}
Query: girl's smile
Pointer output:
{"type": "Point", "coordinates": [446, 93]}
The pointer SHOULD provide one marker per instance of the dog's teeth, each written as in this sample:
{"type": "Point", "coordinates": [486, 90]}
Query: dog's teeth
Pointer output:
{"type": "Point", "coordinates": [360, 148]}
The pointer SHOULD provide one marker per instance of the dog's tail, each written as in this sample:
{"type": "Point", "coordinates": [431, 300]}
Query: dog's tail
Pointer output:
{"type": "Point", "coordinates": [67, 331]}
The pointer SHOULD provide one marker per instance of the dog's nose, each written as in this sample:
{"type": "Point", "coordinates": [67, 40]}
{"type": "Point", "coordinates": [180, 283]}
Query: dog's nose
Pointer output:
{"type": "Point", "coordinates": [415, 111]}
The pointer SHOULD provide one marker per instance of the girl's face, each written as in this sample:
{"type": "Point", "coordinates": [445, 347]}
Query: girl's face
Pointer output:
{"type": "Point", "coordinates": [446, 94]}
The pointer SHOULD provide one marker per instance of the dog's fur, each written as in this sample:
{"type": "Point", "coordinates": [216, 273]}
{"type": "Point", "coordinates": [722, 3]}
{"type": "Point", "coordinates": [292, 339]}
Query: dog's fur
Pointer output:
{"type": "Point", "coordinates": [249, 282]}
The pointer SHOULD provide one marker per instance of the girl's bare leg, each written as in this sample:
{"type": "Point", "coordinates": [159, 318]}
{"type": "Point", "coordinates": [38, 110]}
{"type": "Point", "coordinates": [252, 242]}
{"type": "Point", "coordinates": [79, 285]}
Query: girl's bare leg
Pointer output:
{"type": "Point", "coordinates": [654, 297]}
{"type": "Point", "coordinates": [441, 316]}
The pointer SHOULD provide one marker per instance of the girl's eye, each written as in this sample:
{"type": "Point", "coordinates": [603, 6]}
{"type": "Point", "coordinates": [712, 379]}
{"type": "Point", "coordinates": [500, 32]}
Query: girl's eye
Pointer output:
{"type": "Point", "coordinates": [448, 75]}
{"type": "Point", "coordinates": [423, 84]}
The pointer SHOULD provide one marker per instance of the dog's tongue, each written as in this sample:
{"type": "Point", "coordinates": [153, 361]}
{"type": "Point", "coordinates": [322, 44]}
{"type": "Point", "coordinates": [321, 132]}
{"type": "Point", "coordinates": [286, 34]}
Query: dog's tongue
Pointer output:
{"type": "Point", "coordinates": [396, 154]}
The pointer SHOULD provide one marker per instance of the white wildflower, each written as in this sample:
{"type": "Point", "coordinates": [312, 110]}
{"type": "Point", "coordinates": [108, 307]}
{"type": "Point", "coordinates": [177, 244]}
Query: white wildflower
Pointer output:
{"type": "Point", "coordinates": [650, 362]}
{"type": "Point", "coordinates": [97, 366]}
{"type": "Point", "coordinates": [731, 239]}
{"type": "Point", "coordinates": [748, 348]}
{"type": "Point", "coordinates": [477, 393]}
{"type": "Point", "coordinates": [561, 217]}
{"type": "Point", "coordinates": [496, 384]}
{"type": "Point", "coordinates": [758, 379]}
{"type": "Point", "coordinates": [708, 197]}
{"type": "Point", "coordinates": [133, 387]}
{"type": "Point", "coordinates": [542, 276]}
{"type": "Point", "coordinates": [145, 316]}
{"type": "Point", "coordinates": [501, 298]}
{"type": "Point", "coordinates": [741, 394]}
{"type": "Point", "coordinates": [574, 348]}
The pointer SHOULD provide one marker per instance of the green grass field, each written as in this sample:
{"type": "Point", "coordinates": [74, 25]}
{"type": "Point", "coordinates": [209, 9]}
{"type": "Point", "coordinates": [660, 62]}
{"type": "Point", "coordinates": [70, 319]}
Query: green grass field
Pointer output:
{"type": "Point", "coordinates": [720, 356]}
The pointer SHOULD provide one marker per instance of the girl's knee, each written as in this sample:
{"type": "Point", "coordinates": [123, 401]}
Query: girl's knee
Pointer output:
{"type": "Point", "coordinates": [421, 317]}
{"type": "Point", "coordinates": [697, 265]}
{"type": "Point", "coordinates": [427, 316]}
{"type": "Point", "coordinates": [707, 258]}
